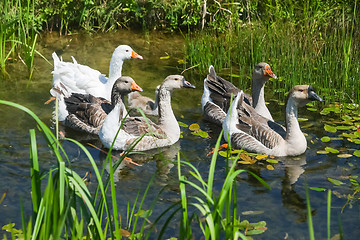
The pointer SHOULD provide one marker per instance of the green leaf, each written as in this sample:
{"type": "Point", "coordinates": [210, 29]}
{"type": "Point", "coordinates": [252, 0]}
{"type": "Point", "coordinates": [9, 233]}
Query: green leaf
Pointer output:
{"type": "Point", "coordinates": [332, 150]}
{"type": "Point", "coordinates": [356, 153]}
{"type": "Point", "coordinates": [346, 127]}
{"type": "Point", "coordinates": [312, 109]}
{"type": "Point", "coordinates": [325, 139]}
{"type": "Point", "coordinates": [203, 134]}
{"type": "Point", "coordinates": [272, 161]}
{"type": "Point", "coordinates": [336, 182]}
{"type": "Point", "coordinates": [322, 152]}
{"type": "Point", "coordinates": [194, 127]}
{"type": "Point", "coordinates": [165, 57]}
{"type": "Point", "coordinates": [181, 124]}
{"type": "Point", "coordinates": [318, 189]}
{"type": "Point", "coordinates": [329, 128]}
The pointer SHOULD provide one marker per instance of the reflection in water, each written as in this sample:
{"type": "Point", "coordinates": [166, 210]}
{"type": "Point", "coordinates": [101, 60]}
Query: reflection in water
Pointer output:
{"type": "Point", "coordinates": [293, 168]}
{"type": "Point", "coordinates": [164, 157]}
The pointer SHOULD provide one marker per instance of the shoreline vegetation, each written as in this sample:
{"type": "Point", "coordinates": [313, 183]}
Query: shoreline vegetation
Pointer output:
{"type": "Point", "coordinates": [309, 42]}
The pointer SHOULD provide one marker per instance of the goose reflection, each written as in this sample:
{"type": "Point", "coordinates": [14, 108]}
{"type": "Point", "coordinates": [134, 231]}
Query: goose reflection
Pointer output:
{"type": "Point", "coordinates": [164, 157]}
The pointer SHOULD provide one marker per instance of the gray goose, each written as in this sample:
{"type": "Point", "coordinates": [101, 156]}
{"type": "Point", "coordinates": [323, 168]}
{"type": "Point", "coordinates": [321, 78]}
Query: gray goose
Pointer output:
{"type": "Point", "coordinates": [146, 104]}
{"type": "Point", "coordinates": [87, 113]}
{"type": "Point", "coordinates": [217, 93]}
{"type": "Point", "coordinates": [245, 128]}
{"type": "Point", "coordinates": [148, 134]}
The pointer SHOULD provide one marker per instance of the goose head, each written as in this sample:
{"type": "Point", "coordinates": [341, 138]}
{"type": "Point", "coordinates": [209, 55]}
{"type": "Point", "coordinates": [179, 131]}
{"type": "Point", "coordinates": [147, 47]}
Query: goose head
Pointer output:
{"type": "Point", "coordinates": [125, 52]}
{"type": "Point", "coordinates": [123, 86]}
{"type": "Point", "coordinates": [263, 72]}
{"type": "Point", "coordinates": [303, 94]}
{"type": "Point", "coordinates": [175, 81]}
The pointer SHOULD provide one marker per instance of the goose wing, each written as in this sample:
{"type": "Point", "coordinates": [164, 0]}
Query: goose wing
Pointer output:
{"type": "Point", "coordinates": [138, 126]}
{"type": "Point", "coordinates": [258, 128]}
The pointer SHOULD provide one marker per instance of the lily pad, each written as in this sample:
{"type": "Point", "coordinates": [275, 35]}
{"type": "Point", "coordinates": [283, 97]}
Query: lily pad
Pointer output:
{"type": "Point", "coordinates": [335, 181]}
{"type": "Point", "coordinates": [345, 155]}
{"type": "Point", "coordinates": [261, 156]}
{"type": "Point", "coordinates": [272, 161]}
{"type": "Point", "coordinates": [325, 139]}
{"type": "Point", "coordinates": [312, 109]}
{"type": "Point", "coordinates": [322, 152]}
{"type": "Point", "coordinates": [203, 134]}
{"type": "Point", "coordinates": [330, 128]}
{"type": "Point", "coordinates": [345, 127]}
{"type": "Point", "coordinates": [302, 119]}
{"type": "Point", "coordinates": [270, 167]}
{"type": "Point", "coordinates": [318, 189]}
{"type": "Point", "coordinates": [332, 150]}
{"type": "Point", "coordinates": [356, 153]}
{"type": "Point", "coordinates": [181, 124]}
{"type": "Point", "coordinates": [194, 127]}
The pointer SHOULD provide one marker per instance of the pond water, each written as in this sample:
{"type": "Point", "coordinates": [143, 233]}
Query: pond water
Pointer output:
{"type": "Point", "coordinates": [283, 207]}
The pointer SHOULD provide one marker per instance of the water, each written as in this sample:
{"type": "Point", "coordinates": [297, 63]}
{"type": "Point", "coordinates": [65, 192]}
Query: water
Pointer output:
{"type": "Point", "coordinates": [283, 207]}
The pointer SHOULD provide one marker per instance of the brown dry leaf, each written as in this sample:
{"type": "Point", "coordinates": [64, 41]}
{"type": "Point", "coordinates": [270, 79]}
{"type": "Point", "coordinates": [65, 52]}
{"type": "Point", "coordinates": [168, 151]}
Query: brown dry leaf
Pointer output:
{"type": "Point", "coordinates": [124, 233]}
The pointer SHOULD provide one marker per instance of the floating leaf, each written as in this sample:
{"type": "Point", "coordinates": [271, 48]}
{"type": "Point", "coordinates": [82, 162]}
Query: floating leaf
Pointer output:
{"type": "Point", "coordinates": [346, 117]}
{"type": "Point", "coordinates": [312, 109]}
{"type": "Point", "coordinates": [325, 139]}
{"type": "Point", "coordinates": [302, 119]}
{"type": "Point", "coordinates": [330, 128]}
{"type": "Point", "coordinates": [270, 167]}
{"type": "Point", "coordinates": [165, 57]}
{"type": "Point", "coordinates": [203, 134]}
{"type": "Point", "coordinates": [194, 127]}
{"type": "Point", "coordinates": [344, 155]}
{"type": "Point", "coordinates": [322, 152]}
{"type": "Point", "coordinates": [345, 127]}
{"type": "Point", "coordinates": [223, 153]}
{"type": "Point", "coordinates": [356, 153]}
{"type": "Point", "coordinates": [332, 150]}
{"type": "Point", "coordinates": [325, 111]}
{"type": "Point", "coordinates": [181, 124]}
{"type": "Point", "coordinates": [347, 135]}
{"type": "Point", "coordinates": [272, 161]}
{"type": "Point", "coordinates": [252, 212]}
{"type": "Point", "coordinates": [246, 159]}
{"type": "Point", "coordinates": [318, 189]}
{"type": "Point", "coordinates": [261, 156]}
{"type": "Point", "coordinates": [335, 181]}
{"type": "Point", "coordinates": [181, 61]}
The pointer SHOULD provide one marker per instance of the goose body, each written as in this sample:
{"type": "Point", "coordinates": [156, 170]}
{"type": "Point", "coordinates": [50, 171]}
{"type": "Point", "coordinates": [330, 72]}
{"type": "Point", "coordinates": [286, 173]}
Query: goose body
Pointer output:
{"type": "Point", "coordinates": [146, 104]}
{"type": "Point", "coordinates": [87, 113]}
{"type": "Point", "coordinates": [217, 94]}
{"type": "Point", "coordinates": [248, 130]}
{"type": "Point", "coordinates": [151, 135]}
{"type": "Point", "coordinates": [82, 79]}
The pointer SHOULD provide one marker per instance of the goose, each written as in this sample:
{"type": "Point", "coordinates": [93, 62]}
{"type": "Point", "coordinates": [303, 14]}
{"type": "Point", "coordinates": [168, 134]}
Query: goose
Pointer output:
{"type": "Point", "coordinates": [146, 104]}
{"type": "Point", "coordinates": [79, 78]}
{"type": "Point", "coordinates": [87, 113]}
{"type": "Point", "coordinates": [217, 92]}
{"type": "Point", "coordinates": [148, 134]}
{"type": "Point", "coordinates": [246, 130]}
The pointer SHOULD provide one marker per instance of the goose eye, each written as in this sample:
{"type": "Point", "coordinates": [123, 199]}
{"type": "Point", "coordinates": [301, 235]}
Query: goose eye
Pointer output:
{"type": "Point", "coordinates": [127, 50]}
{"type": "Point", "coordinates": [301, 90]}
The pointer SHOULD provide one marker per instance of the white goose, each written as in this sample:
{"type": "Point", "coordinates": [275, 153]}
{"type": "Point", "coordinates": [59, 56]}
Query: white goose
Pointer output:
{"type": "Point", "coordinates": [217, 92]}
{"type": "Point", "coordinates": [146, 104]}
{"type": "Point", "coordinates": [246, 129]}
{"type": "Point", "coordinates": [87, 113]}
{"type": "Point", "coordinates": [83, 79]}
{"type": "Point", "coordinates": [151, 135]}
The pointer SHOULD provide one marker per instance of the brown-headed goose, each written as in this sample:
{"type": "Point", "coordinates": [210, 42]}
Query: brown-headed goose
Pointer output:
{"type": "Point", "coordinates": [151, 135]}
{"type": "Point", "coordinates": [79, 78]}
{"type": "Point", "coordinates": [217, 92]}
{"type": "Point", "coordinates": [246, 130]}
{"type": "Point", "coordinates": [87, 113]}
{"type": "Point", "coordinates": [146, 104]}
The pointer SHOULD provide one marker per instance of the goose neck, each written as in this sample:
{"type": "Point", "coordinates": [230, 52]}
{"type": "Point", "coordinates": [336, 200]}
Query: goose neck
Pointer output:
{"type": "Point", "coordinates": [292, 123]}
{"type": "Point", "coordinates": [115, 69]}
{"type": "Point", "coordinates": [257, 92]}
{"type": "Point", "coordinates": [167, 119]}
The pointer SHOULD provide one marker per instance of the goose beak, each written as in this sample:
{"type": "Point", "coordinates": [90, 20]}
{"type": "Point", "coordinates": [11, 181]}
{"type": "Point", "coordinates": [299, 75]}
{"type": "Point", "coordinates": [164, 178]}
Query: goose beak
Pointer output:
{"type": "Point", "coordinates": [312, 95]}
{"type": "Point", "coordinates": [136, 55]}
{"type": "Point", "coordinates": [187, 84]}
{"type": "Point", "coordinates": [135, 87]}
{"type": "Point", "coordinates": [269, 73]}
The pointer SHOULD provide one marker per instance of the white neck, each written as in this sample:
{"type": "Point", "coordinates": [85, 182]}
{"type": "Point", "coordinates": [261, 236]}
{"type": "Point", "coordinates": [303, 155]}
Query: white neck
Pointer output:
{"type": "Point", "coordinates": [167, 119]}
{"type": "Point", "coordinates": [115, 69]}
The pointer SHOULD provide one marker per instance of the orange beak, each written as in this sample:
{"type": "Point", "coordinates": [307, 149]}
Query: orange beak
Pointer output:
{"type": "Point", "coordinates": [269, 73]}
{"type": "Point", "coordinates": [135, 55]}
{"type": "Point", "coordinates": [136, 87]}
